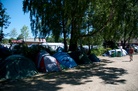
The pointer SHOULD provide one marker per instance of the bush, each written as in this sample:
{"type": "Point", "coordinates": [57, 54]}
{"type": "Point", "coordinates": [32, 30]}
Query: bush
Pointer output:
{"type": "Point", "coordinates": [98, 51]}
{"type": "Point", "coordinates": [107, 49]}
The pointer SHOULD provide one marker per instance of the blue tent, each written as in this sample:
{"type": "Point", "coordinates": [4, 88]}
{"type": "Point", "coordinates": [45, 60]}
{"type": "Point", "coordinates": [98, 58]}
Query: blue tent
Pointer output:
{"type": "Point", "coordinates": [65, 60]}
{"type": "Point", "coordinates": [94, 58]}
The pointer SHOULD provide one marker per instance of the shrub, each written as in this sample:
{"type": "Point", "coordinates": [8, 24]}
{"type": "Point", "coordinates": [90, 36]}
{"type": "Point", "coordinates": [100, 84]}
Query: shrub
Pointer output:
{"type": "Point", "coordinates": [98, 51]}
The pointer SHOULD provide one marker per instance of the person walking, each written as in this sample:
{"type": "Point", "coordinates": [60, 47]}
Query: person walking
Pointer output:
{"type": "Point", "coordinates": [131, 51]}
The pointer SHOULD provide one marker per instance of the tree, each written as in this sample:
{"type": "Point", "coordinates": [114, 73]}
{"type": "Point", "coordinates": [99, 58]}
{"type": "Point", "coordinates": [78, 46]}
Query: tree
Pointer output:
{"type": "Point", "coordinates": [20, 37]}
{"type": "Point", "coordinates": [75, 11]}
{"type": "Point", "coordinates": [5, 41]}
{"type": "Point", "coordinates": [13, 33]}
{"type": "Point", "coordinates": [56, 17]}
{"type": "Point", "coordinates": [124, 24]}
{"type": "Point", "coordinates": [4, 23]}
{"type": "Point", "coordinates": [109, 21]}
{"type": "Point", "coordinates": [25, 32]}
{"type": "Point", "coordinates": [129, 22]}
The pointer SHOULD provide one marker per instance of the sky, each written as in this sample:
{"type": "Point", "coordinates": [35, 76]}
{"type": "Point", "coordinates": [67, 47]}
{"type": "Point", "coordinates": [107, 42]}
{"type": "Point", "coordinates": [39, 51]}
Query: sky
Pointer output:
{"type": "Point", "coordinates": [18, 18]}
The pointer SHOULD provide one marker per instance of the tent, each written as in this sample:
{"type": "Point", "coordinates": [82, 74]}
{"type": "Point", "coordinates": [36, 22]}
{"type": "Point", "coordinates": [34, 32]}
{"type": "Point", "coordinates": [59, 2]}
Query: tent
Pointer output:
{"type": "Point", "coordinates": [16, 67]}
{"type": "Point", "coordinates": [94, 58]}
{"type": "Point", "coordinates": [116, 52]}
{"type": "Point", "coordinates": [80, 58]}
{"type": "Point", "coordinates": [65, 60]}
{"type": "Point", "coordinates": [4, 52]}
{"type": "Point", "coordinates": [60, 49]}
{"type": "Point", "coordinates": [47, 63]}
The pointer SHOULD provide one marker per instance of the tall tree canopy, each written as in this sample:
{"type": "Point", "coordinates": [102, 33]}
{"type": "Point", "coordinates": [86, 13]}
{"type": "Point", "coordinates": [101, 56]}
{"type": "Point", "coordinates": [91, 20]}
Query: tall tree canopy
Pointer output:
{"type": "Point", "coordinates": [56, 17]}
{"type": "Point", "coordinates": [112, 19]}
{"type": "Point", "coordinates": [4, 20]}
{"type": "Point", "coordinates": [124, 25]}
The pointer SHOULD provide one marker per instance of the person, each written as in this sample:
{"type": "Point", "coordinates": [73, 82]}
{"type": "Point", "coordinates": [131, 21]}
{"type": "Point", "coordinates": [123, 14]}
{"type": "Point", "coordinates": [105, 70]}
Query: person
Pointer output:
{"type": "Point", "coordinates": [131, 51]}
{"type": "Point", "coordinates": [121, 49]}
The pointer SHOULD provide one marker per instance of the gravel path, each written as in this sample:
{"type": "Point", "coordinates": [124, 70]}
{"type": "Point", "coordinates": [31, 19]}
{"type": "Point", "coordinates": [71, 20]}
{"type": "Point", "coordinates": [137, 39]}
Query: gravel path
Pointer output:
{"type": "Point", "coordinates": [111, 74]}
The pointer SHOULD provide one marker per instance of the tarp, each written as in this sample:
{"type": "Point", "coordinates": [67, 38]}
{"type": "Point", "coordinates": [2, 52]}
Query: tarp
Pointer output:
{"type": "Point", "coordinates": [94, 58]}
{"type": "Point", "coordinates": [80, 58]}
{"type": "Point", "coordinates": [47, 63]}
{"type": "Point", "coordinates": [16, 67]}
{"type": "Point", "coordinates": [65, 60]}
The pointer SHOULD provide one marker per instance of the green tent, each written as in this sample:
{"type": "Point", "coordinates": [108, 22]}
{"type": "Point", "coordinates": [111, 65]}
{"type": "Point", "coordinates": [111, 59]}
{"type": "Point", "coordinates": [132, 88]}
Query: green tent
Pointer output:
{"type": "Point", "coordinates": [17, 67]}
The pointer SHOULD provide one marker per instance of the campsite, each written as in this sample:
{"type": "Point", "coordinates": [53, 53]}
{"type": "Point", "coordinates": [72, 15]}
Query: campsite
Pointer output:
{"type": "Point", "coordinates": [54, 69]}
{"type": "Point", "coordinates": [68, 45]}
{"type": "Point", "coordinates": [24, 61]}
{"type": "Point", "coordinates": [108, 75]}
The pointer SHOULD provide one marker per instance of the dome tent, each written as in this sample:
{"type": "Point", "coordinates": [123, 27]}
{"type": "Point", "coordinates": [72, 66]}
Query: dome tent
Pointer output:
{"type": "Point", "coordinates": [65, 60]}
{"type": "Point", "coordinates": [80, 57]}
{"type": "Point", "coordinates": [47, 63]}
{"type": "Point", "coordinates": [94, 58]}
{"type": "Point", "coordinates": [60, 49]}
{"type": "Point", "coordinates": [17, 67]}
{"type": "Point", "coordinates": [115, 52]}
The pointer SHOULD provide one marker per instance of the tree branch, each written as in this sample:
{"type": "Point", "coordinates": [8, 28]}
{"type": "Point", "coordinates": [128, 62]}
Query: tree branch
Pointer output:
{"type": "Point", "coordinates": [109, 19]}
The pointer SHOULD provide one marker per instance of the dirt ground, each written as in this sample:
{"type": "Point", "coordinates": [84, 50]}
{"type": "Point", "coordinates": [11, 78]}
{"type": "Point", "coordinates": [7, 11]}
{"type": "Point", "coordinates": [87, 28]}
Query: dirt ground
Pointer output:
{"type": "Point", "coordinates": [111, 74]}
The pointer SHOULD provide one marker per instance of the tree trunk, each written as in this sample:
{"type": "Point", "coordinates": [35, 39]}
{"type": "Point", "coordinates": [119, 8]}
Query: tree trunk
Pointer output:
{"type": "Point", "coordinates": [64, 33]}
{"type": "Point", "coordinates": [73, 44]}
{"type": "Point", "coordinates": [74, 37]}
{"type": "Point", "coordinates": [123, 44]}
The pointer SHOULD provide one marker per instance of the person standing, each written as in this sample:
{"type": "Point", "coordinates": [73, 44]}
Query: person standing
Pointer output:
{"type": "Point", "coordinates": [131, 51]}
{"type": "Point", "coordinates": [121, 49]}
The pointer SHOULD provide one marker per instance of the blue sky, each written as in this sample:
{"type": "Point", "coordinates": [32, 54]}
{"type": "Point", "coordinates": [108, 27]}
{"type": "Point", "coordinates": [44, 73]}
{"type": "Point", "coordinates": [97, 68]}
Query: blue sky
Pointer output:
{"type": "Point", "coordinates": [18, 18]}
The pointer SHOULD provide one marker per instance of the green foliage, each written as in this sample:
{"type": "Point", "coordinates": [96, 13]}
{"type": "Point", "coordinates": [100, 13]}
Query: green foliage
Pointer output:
{"type": "Point", "coordinates": [124, 22]}
{"type": "Point", "coordinates": [5, 41]}
{"type": "Point", "coordinates": [56, 17]}
{"type": "Point", "coordinates": [24, 32]}
{"type": "Point", "coordinates": [107, 49]}
{"type": "Point", "coordinates": [3, 17]}
{"type": "Point", "coordinates": [98, 20]}
{"type": "Point", "coordinates": [4, 23]}
{"type": "Point", "coordinates": [13, 33]}
{"type": "Point", "coordinates": [98, 51]}
{"type": "Point", "coordinates": [20, 37]}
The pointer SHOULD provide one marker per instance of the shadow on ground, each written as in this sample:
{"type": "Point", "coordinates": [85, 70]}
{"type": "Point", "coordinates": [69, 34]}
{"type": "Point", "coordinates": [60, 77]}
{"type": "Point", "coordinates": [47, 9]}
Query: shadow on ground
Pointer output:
{"type": "Point", "coordinates": [53, 81]}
